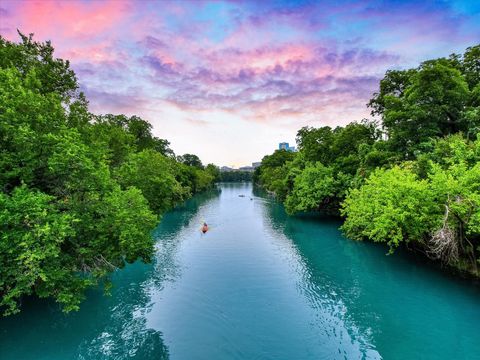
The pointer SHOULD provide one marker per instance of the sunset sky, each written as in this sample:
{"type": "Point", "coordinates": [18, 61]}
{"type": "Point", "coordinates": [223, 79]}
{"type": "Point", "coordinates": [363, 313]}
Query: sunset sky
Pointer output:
{"type": "Point", "coordinates": [230, 80]}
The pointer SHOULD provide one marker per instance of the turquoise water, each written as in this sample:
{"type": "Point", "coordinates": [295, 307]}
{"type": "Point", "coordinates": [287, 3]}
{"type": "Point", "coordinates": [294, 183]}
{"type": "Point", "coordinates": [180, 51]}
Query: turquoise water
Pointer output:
{"type": "Point", "coordinates": [258, 285]}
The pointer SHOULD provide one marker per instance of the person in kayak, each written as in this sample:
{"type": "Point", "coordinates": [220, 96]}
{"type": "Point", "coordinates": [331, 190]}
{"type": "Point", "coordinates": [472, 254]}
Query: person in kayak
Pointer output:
{"type": "Point", "coordinates": [204, 228]}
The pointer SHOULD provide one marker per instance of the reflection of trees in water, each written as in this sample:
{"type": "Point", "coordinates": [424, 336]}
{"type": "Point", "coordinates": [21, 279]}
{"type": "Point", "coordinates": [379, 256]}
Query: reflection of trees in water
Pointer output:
{"type": "Point", "coordinates": [258, 191]}
{"type": "Point", "coordinates": [167, 235]}
{"type": "Point", "coordinates": [106, 327]}
{"type": "Point", "coordinates": [126, 335]}
{"type": "Point", "coordinates": [129, 336]}
{"type": "Point", "coordinates": [180, 217]}
{"type": "Point", "coordinates": [337, 297]}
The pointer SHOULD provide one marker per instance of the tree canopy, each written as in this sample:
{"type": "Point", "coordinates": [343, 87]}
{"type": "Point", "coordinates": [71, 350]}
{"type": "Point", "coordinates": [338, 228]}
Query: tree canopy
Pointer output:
{"type": "Point", "coordinates": [409, 177]}
{"type": "Point", "coordinates": [79, 193]}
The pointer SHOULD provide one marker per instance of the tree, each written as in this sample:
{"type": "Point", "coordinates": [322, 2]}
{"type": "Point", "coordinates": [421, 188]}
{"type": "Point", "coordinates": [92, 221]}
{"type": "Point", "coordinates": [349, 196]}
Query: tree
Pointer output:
{"type": "Point", "coordinates": [214, 171]}
{"type": "Point", "coordinates": [316, 144]}
{"type": "Point", "coordinates": [65, 222]}
{"type": "Point", "coordinates": [317, 187]}
{"type": "Point", "coordinates": [415, 181]}
{"type": "Point", "coordinates": [393, 206]}
{"type": "Point", "coordinates": [273, 171]}
{"type": "Point", "coordinates": [438, 213]}
{"type": "Point", "coordinates": [470, 66]}
{"type": "Point", "coordinates": [139, 129]}
{"type": "Point", "coordinates": [191, 160]}
{"type": "Point", "coordinates": [152, 173]}
{"type": "Point", "coordinates": [235, 176]}
{"type": "Point", "coordinates": [33, 231]}
{"type": "Point", "coordinates": [392, 86]}
{"type": "Point", "coordinates": [418, 104]}
{"type": "Point", "coordinates": [113, 140]}
{"type": "Point", "coordinates": [53, 75]}
{"type": "Point", "coordinates": [346, 143]}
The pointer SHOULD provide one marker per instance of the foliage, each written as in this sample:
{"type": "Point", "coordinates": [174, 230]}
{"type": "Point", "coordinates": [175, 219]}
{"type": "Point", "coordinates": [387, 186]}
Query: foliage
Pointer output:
{"type": "Point", "coordinates": [190, 160]}
{"type": "Point", "coordinates": [52, 75]}
{"type": "Point", "coordinates": [317, 177]}
{"type": "Point", "coordinates": [433, 100]}
{"type": "Point", "coordinates": [392, 206]}
{"type": "Point", "coordinates": [214, 171]}
{"type": "Point", "coordinates": [415, 181]}
{"type": "Point", "coordinates": [32, 232]}
{"type": "Point", "coordinates": [273, 171]}
{"type": "Point", "coordinates": [317, 187]}
{"type": "Point", "coordinates": [153, 174]}
{"type": "Point", "coordinates": [78, 192]}
{"type": "Point", "coordinates": [396, 206]}
{"type": "Point", "coordinates": [235, 176]}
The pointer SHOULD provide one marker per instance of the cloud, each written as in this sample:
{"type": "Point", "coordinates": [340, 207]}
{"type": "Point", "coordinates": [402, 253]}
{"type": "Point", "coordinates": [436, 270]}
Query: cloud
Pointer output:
{"type": "Point", "coordinates": [116, 103]}
{"type": "Point", "coordinates": [72, 19]}
{"type": "Point", "coordinates": [277, 88]}
{"type": "Point", "coordinates": [197, 122]}
{"type": "Point", "coordinates": [281, 63]}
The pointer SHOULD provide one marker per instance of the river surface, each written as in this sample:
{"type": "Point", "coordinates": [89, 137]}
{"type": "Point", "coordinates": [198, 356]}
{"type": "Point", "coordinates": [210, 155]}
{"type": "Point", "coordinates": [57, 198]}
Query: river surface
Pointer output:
{"type": "Point", "coordinates": [258, 285]}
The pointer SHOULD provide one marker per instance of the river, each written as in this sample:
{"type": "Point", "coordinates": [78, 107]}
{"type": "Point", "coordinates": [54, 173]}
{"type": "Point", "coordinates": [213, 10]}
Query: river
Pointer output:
{"type": "Point", "coordinates": [258, 285]}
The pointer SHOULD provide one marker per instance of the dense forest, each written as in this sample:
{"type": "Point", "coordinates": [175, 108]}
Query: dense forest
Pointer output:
{"type": "Point", "coordinates": [79, 193]}
{"type": "Point", "coordinates": [409, 177]}
{"type": "Point", "coordinates": [235, 176]}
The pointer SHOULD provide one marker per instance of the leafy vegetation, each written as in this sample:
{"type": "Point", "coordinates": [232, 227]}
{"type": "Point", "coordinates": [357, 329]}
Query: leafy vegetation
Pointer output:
{"type": "Point", "coordinates": [79, 193]}
{"type": "Point", "coordinates": [235, 176]}
{"type": "Point", "coordinates": [412, 181]}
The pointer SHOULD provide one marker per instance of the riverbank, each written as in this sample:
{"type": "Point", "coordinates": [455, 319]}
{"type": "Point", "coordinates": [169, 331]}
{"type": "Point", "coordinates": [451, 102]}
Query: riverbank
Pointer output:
{"type": "Point", "coordinates": [390, 182]}
{"type": "Point", "coordinates": [260, 282]}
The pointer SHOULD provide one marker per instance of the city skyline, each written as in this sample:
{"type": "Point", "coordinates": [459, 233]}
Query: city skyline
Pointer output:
{"type": "Point", "coordinates": [229, 80]}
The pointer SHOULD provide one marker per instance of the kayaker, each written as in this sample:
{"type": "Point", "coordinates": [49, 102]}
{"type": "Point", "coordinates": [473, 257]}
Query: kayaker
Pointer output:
{"type": "Point", "coordinates": [204, 228]}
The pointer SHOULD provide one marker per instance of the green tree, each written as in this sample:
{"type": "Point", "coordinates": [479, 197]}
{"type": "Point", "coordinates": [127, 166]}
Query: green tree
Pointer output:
{"type": "Point", "coordinates": [65, 222]}
{"type": "Point", "coordinates": [53, 75]}
{"type": "Point", "coordinates": [273, 171]}
{"type": "Point", "coordinates": [316, 144]}
{"type": "Point", "coordinates": [470, 66]}
{"type": "Point", "coordinates": [153, 174]}
{"type": "Point", "coordinates": [32, 233]}
{"type": "Point", "coordinates": [214, 171]}
{"type": "Point", "coordinates": [235, 176]}
{"type": "Point", "coordinates": [140, 130]}
{"type": "Point", "coordinates": [191, 160]}
{"type": "Point", "coordinates": [413, 182]}
{"type": "Point", "coordinates": [431, 101]}
{"type": "Point", "coordinates": [393, 206]}
{"type": "Point", "coordinates": [316, 187]}
{"type": "Point", "coordinates": [438, 212]}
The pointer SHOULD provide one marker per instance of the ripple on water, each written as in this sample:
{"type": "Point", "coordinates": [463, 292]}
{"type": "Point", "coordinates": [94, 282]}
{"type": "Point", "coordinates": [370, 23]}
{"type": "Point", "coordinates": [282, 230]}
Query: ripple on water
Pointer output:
{"type": "Point", "coordinates": [258, 285]}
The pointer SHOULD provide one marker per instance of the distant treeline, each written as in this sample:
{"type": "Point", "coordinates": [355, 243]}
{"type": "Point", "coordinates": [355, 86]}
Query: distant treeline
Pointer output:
{"type": "Point", "coordinates": [412, 179]}
{"type": "Point", "coordinates": [79, 193]}
{"type": "Point", "coordinates": [235, 176]}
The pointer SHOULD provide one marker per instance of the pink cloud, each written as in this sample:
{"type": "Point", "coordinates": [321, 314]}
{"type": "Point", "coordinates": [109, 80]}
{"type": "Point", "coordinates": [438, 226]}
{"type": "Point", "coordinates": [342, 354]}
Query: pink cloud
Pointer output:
{"type": "Point", "coordinates": [263, 62]}
{"type": "Point", "coordinates": [71, 19]}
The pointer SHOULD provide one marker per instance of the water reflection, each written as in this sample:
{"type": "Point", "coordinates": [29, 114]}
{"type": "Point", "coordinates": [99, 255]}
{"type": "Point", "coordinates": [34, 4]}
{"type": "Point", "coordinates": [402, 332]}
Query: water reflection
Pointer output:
{"type": "Point", "coordinates": [258, 285]}
{"type": "Point", "coordinates": [326, 297]}
{"type": "Point", "coordinates": [392, 306]}
{"type": "Point", "coordinates": [113, 327]}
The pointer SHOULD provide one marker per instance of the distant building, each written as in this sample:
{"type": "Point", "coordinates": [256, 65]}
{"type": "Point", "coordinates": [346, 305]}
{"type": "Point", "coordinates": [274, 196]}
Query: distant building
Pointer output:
{"type": "Point", "coordinates": [285, 146]}
{"type": "Point", "coordinates": [226, 168]}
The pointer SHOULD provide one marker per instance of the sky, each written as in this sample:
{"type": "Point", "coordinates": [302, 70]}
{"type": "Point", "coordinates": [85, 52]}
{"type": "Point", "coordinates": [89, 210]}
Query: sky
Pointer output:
{"type": "Point", "coordinates": [229, 80]}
